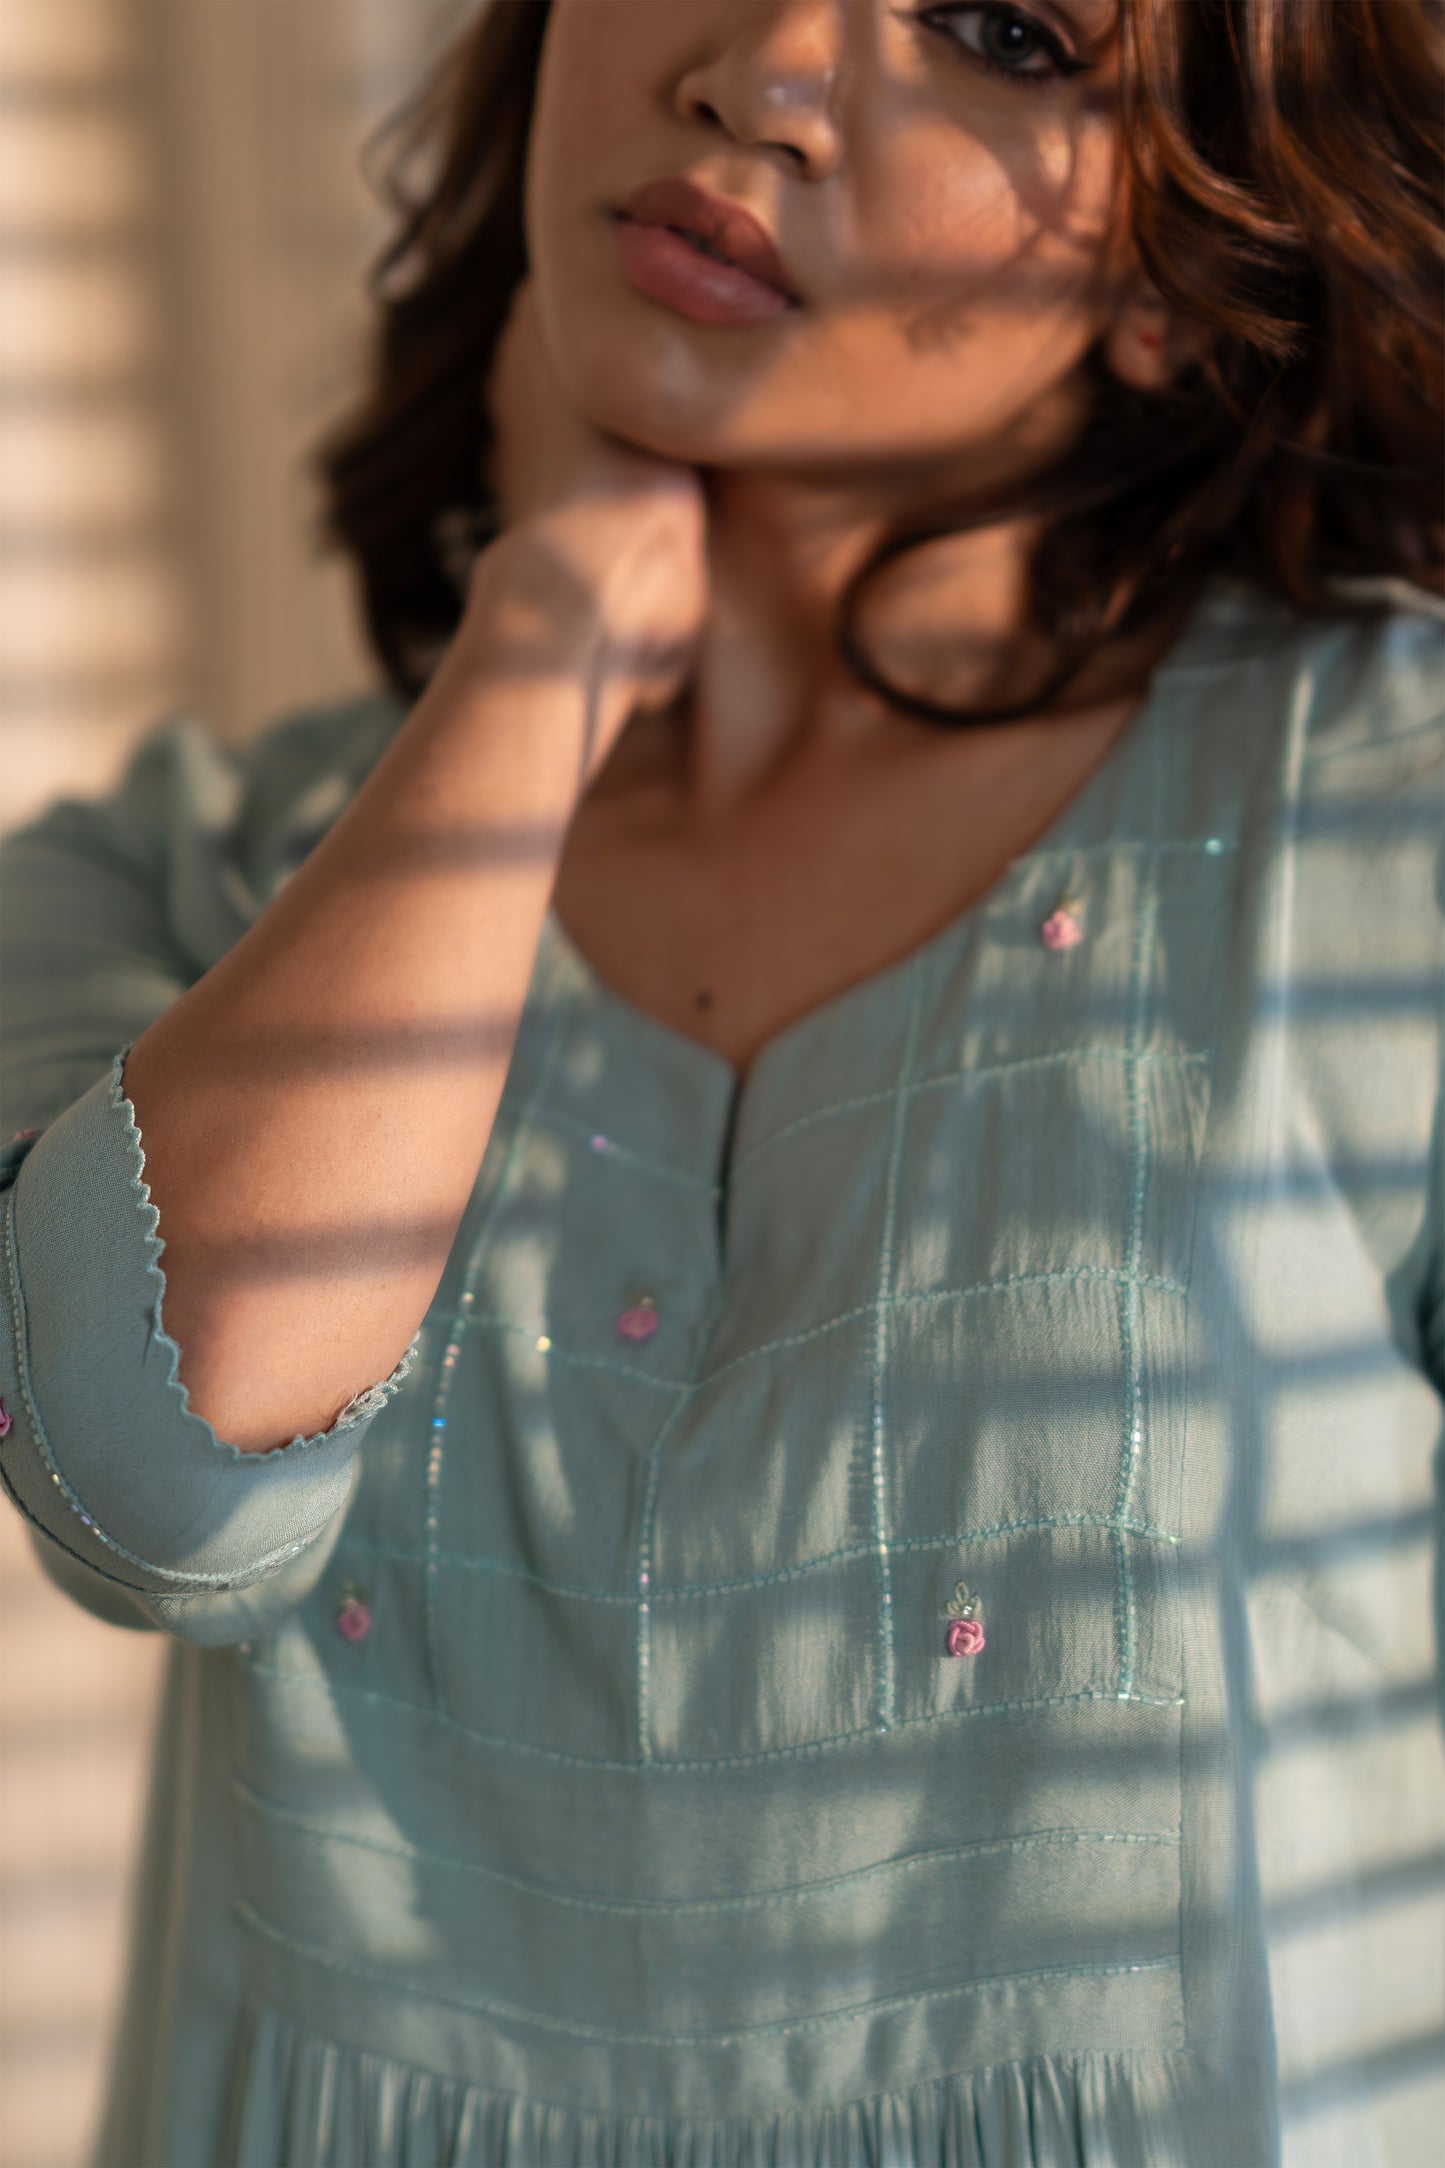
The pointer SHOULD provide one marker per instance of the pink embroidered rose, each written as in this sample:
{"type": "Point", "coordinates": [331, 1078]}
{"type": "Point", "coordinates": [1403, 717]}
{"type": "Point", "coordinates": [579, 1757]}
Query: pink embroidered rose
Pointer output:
{"type": "Point", "coordinates": [965, 1637]}
{"type": "Point", "coordinates": [1061, 930]}
{"type": "Point", "coordinates": [353, 1619]}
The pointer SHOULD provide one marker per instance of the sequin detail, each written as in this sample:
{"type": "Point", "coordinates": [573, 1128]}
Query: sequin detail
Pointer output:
{"type": "Point", "coordinates": [641, 1321]}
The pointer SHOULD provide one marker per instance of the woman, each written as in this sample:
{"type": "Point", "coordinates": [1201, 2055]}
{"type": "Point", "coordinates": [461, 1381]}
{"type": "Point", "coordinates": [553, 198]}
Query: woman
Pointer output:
{"type": "Point", "coordinates": [879, 1153]}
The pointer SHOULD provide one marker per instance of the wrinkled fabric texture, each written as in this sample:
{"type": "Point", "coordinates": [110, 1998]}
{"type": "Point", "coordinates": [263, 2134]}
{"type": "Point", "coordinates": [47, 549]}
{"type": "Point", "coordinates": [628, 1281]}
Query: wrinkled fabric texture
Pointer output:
{"type": "Point", "coordinates": [650, 1820]}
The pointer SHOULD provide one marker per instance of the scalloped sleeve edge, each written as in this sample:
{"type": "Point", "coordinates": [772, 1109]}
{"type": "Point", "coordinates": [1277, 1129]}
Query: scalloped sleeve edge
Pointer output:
{"type": "Point", "coordinates": [99, 1447]}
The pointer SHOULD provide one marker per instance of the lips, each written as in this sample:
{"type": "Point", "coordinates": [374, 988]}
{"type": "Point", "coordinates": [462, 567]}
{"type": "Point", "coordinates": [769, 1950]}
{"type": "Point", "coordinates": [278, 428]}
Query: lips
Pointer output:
{"type": "Point", "coordinates": [726, 227]}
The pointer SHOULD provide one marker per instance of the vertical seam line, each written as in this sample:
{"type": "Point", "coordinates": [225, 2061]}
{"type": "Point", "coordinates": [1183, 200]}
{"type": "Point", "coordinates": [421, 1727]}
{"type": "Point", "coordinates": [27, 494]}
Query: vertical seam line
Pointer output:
{"type": "Point", "coordinates": [883, 1312]}
{"type": "Point", "coordinates": [1125, 1624]}
{"type": "Point", "coordinates": [459, 1321]}
{"type": "Point", "coordinates": [686, 1393]}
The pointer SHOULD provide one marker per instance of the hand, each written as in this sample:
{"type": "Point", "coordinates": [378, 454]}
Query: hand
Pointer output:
{"type": "Point", "coordinates": [623, 534]}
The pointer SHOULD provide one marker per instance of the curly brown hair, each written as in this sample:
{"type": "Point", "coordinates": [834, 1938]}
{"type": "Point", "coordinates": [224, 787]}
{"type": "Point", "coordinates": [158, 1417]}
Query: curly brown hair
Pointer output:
{"type": "Point", "coordinates": [1291, 153]}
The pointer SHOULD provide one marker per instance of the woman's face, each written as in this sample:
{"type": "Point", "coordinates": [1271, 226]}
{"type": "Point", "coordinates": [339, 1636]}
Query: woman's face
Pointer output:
{"type": "Point", "coordinates": [943, 184]}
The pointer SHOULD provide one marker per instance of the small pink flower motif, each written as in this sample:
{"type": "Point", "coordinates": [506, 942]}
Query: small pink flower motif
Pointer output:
{"type": "Point", "coordinates": [1061, 930]}
{"type": "Point", "coordinates": [965, 1637]}
{"type": "Point", "coordinates": [6, 1419]}
{"type": "Point", "coordinates": [21, 1134]}
{"type": "Point", "coordinates": [640, 1322]}
{"type": "Point", "coordinates": [354, 1619]}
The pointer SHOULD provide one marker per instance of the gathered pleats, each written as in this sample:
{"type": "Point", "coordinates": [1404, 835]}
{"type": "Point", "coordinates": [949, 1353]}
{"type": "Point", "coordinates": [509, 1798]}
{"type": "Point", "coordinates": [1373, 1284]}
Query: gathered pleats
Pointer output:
{"type": "Point", "coordinates": [303, 2101]}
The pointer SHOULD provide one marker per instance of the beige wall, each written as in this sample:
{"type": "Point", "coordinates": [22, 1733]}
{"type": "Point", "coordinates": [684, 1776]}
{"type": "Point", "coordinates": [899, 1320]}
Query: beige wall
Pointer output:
{"type": "Point", "coordinates": [183, 234]}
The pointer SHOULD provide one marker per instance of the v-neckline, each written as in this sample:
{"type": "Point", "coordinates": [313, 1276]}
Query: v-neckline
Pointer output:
{"type": "Point", "coordinates": [1072, 818]}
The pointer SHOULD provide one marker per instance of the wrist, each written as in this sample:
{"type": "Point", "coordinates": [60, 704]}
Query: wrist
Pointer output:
{"type": "Point", "coordinates": [524, 595]}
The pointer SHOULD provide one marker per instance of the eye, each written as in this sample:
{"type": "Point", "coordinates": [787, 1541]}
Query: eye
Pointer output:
{"type": "Point", "coordinates": [1005, 40]}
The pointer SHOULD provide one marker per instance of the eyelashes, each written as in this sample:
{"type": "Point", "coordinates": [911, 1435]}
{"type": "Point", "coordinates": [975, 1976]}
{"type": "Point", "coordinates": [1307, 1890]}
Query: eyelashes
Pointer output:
{"type": "Point", "coordinates": [989, 13]}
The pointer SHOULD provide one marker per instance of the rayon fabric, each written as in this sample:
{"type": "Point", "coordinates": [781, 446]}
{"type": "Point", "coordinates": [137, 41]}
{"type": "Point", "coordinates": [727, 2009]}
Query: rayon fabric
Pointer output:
{"type": "Point", "coordinates": [650, 1824]}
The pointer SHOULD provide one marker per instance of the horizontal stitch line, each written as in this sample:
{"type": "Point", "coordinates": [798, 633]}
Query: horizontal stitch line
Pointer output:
{"type": "Point", "coordinates": [326, 1683]}
{"type": "Point", "coordinates": [792, 1339]}
{"type": "Point", "coordinates": [1139, 1692]}
{"type": "Point", "coordinates": [690, 1387]}
{"type": "Point", "coordinates": [753, 1901]}
{"type": "Point", "coordinates": [945, 1078]}
{"type": "Point", "coordinates": [943, 1294]}
{"type": "Point", "coordinates": [464, 1562]}
{"type": "Point", "coordinates": [687, 1386]}
{"type": "Point", "coordinates": [499, 1568]}
{"type": "Point", "coordinates": [1021, 1528]}
{"type": "Point", "coordinates": [578, 2028]}
{"type": "Point", "coordinates": [1026, 1279]}
{"type": "Point", "coordinates": [668, 1906]}
{"type": "Point", "coordinates": [641, 1162]}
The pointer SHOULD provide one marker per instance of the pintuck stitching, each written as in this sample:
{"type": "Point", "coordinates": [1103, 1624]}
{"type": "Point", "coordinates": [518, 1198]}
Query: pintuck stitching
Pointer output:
{"type": "Point", "coordinates": [638, 1376]}
{"type": "Point", "coordinates": [462, 1562]}
{"type": "Point", "coordinates": [684, 1392]}
{"type": "Point", "coordinates": [943, 1294]}
{"type": "Point", "coordinates": [578, 2028]}
{"type": "Point", "coordinates": [327, 1683]}
{"type": "Point", "coordinates": [799, 1893]}
{"type": "Point", "coordinates": [981, 1072]}
{"type": "Point", "coordinates": [612, 1151]}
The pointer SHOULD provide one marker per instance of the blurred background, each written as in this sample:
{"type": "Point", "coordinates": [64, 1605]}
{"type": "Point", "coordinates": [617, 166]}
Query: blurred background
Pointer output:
{"type": "Point", "coordinates": [184, 233]}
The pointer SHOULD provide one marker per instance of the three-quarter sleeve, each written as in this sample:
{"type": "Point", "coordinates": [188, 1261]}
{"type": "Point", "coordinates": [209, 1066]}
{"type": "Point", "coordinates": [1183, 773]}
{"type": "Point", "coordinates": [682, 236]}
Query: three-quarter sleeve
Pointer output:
{"type": "Point", "coordinates": [135, 1506]}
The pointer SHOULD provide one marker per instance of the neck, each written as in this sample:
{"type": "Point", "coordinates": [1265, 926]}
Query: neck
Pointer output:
{"type": "Point", "coordinates": [783, 544]}
{"type": "Point", "coordinates": [947, 620]}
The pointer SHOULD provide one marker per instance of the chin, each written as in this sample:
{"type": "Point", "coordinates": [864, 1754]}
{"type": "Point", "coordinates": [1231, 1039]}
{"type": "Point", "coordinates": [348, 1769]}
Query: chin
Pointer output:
{"type": "Point", "coordinates": [639, 392]}
{"type": "Point", "coordinates": [638, 373]}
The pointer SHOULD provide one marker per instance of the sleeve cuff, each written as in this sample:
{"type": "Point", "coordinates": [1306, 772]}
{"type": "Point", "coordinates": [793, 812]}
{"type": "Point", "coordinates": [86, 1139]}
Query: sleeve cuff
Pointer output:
{"type": "Point", "coordinates": [103, 1451]}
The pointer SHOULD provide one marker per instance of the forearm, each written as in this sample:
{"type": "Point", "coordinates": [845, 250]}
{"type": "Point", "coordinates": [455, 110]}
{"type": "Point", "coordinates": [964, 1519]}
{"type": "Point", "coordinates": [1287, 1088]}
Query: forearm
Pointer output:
{"type": "Point", "coordinates": [314, 1110]}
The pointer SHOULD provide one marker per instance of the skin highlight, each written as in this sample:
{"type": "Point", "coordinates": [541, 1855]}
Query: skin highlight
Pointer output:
{"type": "Point", "coordinates": [958, 244]}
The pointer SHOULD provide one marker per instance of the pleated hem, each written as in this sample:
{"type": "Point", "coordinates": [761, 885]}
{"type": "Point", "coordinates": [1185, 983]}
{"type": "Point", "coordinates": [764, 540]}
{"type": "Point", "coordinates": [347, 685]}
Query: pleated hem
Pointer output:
{"type": "Point", "coordinates": [303, 2101]}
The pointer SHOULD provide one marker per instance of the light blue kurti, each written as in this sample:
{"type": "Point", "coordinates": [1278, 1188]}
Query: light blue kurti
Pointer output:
{"type": "Point", "coordinates": [651, 1822]}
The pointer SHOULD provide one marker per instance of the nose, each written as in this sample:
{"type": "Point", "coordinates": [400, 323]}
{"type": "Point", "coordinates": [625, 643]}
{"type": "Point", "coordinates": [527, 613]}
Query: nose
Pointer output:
{"type": "Point", "coordinates": [774, 77]}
